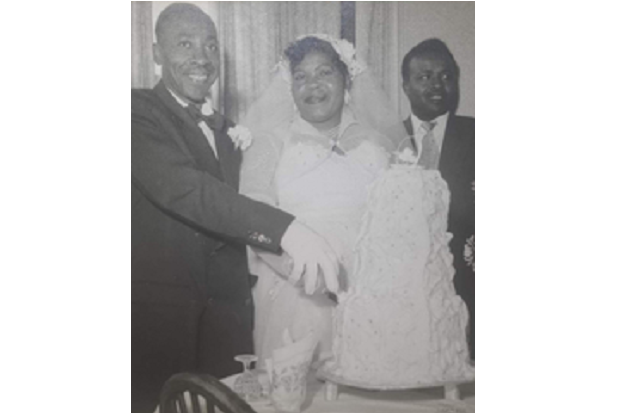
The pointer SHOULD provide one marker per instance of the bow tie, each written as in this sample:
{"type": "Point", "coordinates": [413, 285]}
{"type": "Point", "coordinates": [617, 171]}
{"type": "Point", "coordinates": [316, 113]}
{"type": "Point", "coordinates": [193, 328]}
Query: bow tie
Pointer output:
{"type": "Point", "coordinates": [214, 121]}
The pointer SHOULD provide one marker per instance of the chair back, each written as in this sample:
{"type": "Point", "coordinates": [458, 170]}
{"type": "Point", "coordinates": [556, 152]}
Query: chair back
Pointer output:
{"type": "Point", "coordinates": [200, 393]}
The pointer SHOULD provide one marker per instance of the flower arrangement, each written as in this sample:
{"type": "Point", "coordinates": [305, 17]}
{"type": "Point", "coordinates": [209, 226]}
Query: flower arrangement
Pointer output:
{"type": "Point", "coordinates": [468, 253]}
{"type": "Point", "coordinates": [241, 137]}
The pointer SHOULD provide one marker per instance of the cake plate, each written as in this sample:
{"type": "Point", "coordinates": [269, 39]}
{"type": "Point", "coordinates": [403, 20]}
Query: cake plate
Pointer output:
{"type": "Point", "coordinates": [332, 380]}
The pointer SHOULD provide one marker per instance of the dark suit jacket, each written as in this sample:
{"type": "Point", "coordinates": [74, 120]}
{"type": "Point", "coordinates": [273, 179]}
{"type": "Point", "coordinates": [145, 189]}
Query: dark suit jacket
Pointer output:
{"type": "Point", "coordinates": [189, 231]}
{"type": "Point", "coordinates": [457, 167]}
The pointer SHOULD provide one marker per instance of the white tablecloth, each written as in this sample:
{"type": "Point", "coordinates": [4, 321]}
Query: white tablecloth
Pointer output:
{"type": "Point", "coordinates": [350, 400]}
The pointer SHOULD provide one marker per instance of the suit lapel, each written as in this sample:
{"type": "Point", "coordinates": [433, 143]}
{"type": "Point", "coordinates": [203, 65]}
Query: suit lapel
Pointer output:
{"type": "Point", "coordinates": [230, 158]}
{"type": "Point", "coordinates": [449, 149]}
{"type": "Point", "coordinates": [192, 137]}
{"type": "Point", "coordinates": [409, 128]}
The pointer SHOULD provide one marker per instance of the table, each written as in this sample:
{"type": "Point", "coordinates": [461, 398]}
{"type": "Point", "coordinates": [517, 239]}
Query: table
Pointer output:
{"type": "Point", "coordinates": [352, 400]}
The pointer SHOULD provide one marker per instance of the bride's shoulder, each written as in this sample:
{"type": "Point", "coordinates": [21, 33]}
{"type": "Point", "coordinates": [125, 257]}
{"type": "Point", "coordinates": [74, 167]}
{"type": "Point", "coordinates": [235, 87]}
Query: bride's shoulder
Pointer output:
{"type": "Point", "coordinates": [284, 133]}
{"type": "Point", "coordinates": [363, 135]}
{"type": "Point", "coordinates": [274, 137]}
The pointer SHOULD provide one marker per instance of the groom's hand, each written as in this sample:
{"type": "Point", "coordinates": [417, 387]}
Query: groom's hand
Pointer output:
{"type": "Point", "coordinates": [312, 257]}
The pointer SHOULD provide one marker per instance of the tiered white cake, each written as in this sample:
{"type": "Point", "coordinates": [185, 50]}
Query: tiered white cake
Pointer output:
{"type": "Point", "coordinates": [400, 324]}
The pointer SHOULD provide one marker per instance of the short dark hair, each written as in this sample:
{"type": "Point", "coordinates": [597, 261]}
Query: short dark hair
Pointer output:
{"type": "Point", "coordinates": [428, 47]}
{"type": "Point", "coordinates": [176, 9]}
{"type": "Point", "coordinates": [297, 51]}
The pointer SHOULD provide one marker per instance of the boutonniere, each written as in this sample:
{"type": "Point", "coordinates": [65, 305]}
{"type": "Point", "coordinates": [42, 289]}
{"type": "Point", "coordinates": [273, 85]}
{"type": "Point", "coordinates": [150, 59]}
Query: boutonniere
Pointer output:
{"type": "Point", "coordinates": [241, 137]}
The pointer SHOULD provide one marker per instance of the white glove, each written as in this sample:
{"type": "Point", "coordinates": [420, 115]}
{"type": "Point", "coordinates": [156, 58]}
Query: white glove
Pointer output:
{"type": "Point", "coordinates": [312, 255]}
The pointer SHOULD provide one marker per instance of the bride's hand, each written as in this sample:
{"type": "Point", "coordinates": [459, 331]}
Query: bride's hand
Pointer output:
{"type": "Point", "coordinates": [313, 258]}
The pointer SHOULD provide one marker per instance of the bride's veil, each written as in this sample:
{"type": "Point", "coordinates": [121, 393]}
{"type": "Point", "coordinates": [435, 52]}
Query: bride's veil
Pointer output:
{"type": "Point", "coordinates": [275, 109]}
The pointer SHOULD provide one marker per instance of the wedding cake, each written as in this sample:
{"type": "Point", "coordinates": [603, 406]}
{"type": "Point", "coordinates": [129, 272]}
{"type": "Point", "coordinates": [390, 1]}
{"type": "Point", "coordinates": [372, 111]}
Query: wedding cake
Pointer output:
{"type": "Point", "coordinates": [400, 323]}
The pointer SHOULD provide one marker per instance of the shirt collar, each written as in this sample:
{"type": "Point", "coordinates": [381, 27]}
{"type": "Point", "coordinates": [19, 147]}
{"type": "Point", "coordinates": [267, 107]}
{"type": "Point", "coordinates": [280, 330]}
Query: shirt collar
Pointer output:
{"type": "Point", "coordinates": [440, 125]}
{"type": "Point", "coordinates": [206, 108]}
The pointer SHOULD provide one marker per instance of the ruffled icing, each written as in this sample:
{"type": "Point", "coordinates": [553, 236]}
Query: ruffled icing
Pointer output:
{"type": "Point", "coordinates": [401, 323]}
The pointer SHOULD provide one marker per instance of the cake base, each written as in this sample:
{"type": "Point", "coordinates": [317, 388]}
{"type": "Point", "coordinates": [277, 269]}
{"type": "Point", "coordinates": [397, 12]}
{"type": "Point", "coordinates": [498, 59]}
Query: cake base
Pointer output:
{"type": "Point", "coordinates": [451, 390]}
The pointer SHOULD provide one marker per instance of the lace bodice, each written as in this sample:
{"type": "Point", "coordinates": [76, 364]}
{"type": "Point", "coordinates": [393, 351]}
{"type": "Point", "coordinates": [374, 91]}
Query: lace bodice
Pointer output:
{"type": "Point", "coordinates": [327, 188]}
{"type": "Point", "coordinates": [313, 177]}
{"type": "Point", "coordinates": [323, 186]}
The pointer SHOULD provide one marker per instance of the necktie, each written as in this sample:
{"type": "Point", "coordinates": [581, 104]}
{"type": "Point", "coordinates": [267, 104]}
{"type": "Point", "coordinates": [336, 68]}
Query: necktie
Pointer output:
{"type": "Point", "coordinates": [214, 121]}
{"type": "Point", "coordinates": [429, 157]}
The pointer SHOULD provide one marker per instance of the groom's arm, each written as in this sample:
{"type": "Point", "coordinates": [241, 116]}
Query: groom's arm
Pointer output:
{"type": "Point", "coordinates": [282, 264]}
{"type": "Point", "coordinates": [169, 179]}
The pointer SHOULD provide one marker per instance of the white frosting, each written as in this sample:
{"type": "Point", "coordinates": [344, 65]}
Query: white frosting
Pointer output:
{"type": "Point", "coordinates": [401, 324]}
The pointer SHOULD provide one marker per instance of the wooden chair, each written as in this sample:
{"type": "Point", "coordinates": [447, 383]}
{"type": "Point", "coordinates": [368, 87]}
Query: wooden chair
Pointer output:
{"type": "Point", "coordinates": [200, 393]}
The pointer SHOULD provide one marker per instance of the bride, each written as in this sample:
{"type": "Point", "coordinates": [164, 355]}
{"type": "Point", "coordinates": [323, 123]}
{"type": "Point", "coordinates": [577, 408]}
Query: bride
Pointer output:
{"type": "Point", "coordinates": [322, 131]}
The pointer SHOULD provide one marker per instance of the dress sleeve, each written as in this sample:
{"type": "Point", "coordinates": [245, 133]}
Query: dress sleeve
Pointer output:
{"type": "Point", "coordinates": [168, 177]}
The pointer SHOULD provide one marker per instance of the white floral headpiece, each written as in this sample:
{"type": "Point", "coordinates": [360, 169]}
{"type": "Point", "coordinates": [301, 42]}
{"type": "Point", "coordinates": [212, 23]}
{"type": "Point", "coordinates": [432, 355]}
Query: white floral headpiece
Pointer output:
{"type": "Point", "coordinates": [344, 48]}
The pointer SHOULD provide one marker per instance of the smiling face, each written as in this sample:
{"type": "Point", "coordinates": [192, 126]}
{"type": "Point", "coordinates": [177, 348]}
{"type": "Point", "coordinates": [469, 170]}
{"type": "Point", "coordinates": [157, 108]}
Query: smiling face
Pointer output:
{"type": "Point", "coordinates": [318, 90]}
{"type": "Point", "coordinates": [432, 86]}
{"type": "Point", "coordinates": [188, 51]}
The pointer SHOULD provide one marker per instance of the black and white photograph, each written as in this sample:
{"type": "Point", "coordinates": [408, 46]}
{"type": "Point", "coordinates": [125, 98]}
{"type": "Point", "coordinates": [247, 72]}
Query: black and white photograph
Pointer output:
{"type": "Point", "coordinates": [302, 207]}
{"type": "Point", "coordinates": [280, 216]}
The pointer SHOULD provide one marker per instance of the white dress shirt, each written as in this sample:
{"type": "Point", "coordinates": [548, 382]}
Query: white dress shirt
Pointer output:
{"type": "Point", "coordinates": [439, 131]}
{"type": "Point", "coordinates": [207, 110]}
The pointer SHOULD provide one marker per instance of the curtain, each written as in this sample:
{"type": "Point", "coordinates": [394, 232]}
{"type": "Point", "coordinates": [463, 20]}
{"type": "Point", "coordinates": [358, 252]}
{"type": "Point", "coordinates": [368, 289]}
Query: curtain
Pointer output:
{"type": "Point", "coordinates": [377, 43]}
{"type": "Point", "coordinates": [142, 74]}
{"type": "Point", "coordinates": [253, 36]}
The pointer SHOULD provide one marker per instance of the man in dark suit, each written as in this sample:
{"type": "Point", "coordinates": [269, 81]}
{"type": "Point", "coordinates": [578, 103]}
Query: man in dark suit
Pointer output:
{"type": "Point", "coordinates": [445, 141]}
{"type": "Point", "coordinates": [192, 306]}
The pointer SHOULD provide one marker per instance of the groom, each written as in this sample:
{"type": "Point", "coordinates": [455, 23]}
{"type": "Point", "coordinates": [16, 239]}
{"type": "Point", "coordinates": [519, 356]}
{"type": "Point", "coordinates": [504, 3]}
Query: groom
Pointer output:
{"type": "Point", "coordinates": [192, 307]}
{"type": "Point", "coordinates": [445, 141]}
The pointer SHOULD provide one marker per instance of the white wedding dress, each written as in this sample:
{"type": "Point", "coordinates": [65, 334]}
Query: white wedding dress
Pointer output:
{"type": "Point", "coordinates": [325, 186]}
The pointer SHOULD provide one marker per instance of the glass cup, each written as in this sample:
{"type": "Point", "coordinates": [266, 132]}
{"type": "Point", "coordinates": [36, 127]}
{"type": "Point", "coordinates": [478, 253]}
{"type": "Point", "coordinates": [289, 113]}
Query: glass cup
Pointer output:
{"type": "Point", "coordinates": [247, 384]}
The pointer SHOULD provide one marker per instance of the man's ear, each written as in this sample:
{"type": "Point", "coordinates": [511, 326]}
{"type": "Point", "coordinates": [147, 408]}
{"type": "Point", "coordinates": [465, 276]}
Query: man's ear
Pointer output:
{"type": "Point", "coordinates": [406, 88]}
{"type": "Point", "coordinates": [157, 55]}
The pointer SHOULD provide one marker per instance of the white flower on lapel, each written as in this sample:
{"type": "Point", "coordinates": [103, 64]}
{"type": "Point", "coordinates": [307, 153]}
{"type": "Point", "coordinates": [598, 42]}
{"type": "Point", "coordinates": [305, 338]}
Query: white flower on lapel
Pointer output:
{"type": "Point", "coordinates": [241, 137]}
{"type": "Point", "coordinates": [468, 253]}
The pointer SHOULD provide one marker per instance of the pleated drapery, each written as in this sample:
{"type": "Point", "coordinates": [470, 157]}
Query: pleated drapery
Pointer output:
{"type": "Point", "coordinates": [253, 36]}
{"type": "Point", "coordinates": [377, 42]}
{"type": "Point", "coordinates": [142, 67]}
